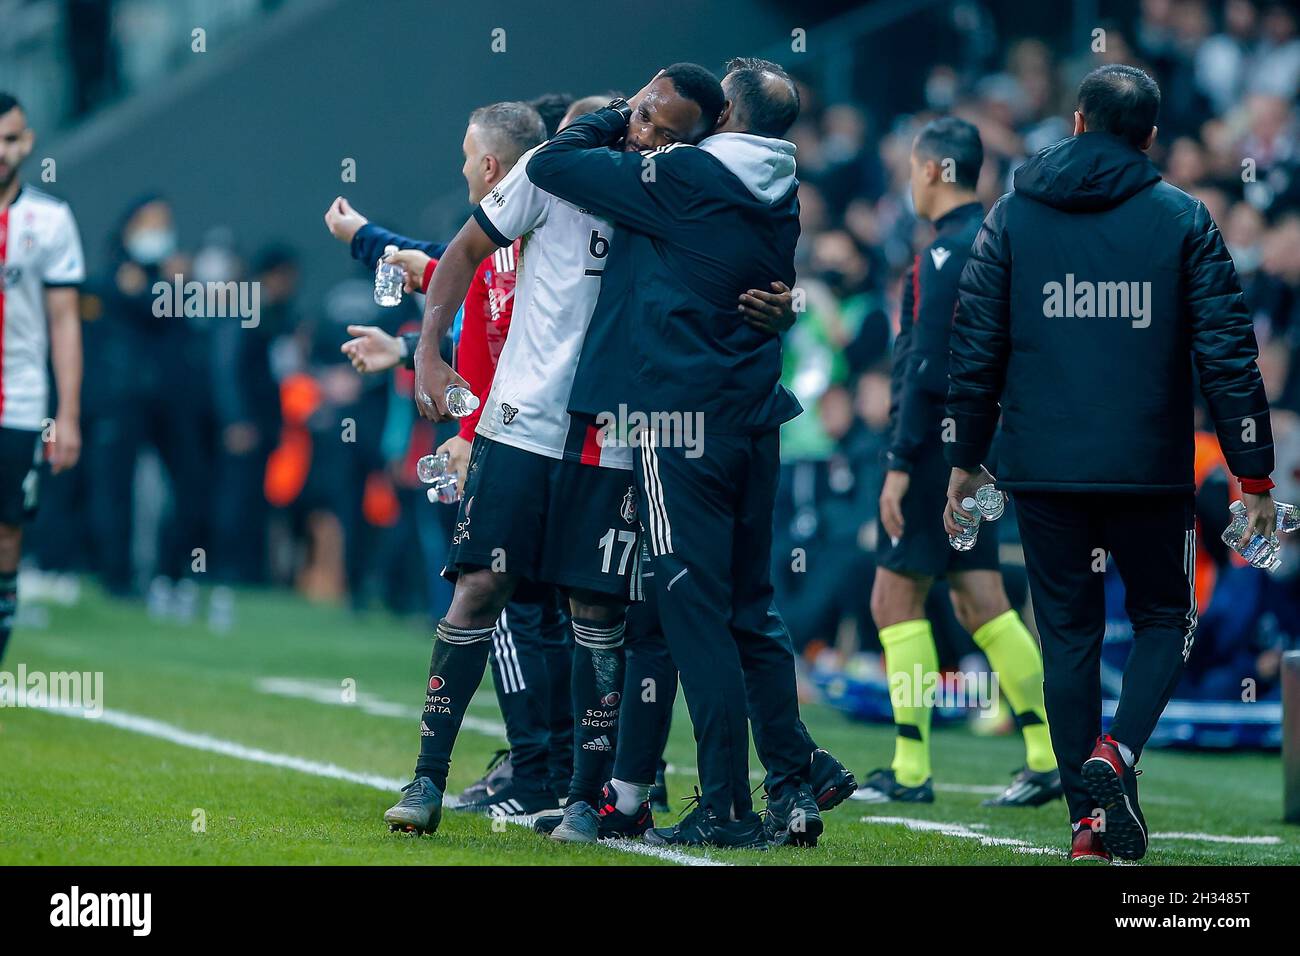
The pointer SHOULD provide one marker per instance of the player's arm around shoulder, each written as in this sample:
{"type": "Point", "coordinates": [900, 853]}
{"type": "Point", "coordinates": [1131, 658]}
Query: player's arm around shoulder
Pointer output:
{"type": "Point", "coordinates": [648, 191]}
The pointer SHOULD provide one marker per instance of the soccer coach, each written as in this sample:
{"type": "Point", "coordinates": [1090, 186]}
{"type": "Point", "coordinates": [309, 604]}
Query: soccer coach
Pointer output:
{"type": "Point", "coordinates": [1092, 292]}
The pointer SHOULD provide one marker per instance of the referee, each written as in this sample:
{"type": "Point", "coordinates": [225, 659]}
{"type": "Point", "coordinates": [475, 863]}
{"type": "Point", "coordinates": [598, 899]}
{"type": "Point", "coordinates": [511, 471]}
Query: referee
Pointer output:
{"type": "Point", "coordinates": [1094, 297]}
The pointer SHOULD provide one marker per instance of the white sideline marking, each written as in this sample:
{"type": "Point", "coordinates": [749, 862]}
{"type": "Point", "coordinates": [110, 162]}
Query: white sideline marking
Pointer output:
{"type": "Point", "coordinates": [1218, 838]}
{"type": "Point", "coordinates": [663, 853]}
{"type": "Point", "coordinates": [228, 748]}
{"type": "Point", "coordinates": [965, 832]}
{"type": "Point", "coordinates": [968, 831]}
{"type": "Point", "coordinates": [324, 692]}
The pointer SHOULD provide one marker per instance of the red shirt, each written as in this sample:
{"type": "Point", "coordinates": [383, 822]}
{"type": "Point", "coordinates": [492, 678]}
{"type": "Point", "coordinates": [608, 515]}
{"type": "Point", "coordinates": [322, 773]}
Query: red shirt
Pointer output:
{"type": "Point", "coordinates": [488, 307]}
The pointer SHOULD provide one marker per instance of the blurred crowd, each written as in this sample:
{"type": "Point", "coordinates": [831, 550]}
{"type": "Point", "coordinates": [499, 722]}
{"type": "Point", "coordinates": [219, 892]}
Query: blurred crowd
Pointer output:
{"type": "Point", "coordinates": [237, 452]}
{"type": "Point", "coordinates": [256, 456]}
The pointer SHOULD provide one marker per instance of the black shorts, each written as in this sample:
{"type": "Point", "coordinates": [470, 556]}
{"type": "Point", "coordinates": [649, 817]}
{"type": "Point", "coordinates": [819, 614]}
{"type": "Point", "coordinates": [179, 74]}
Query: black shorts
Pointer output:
{"type": "Point", "coordinates": [22, 460]}
{"type": "Point", "coordinates": [548, 520]}
{"type": "Point", "coordinates": [924, 547]}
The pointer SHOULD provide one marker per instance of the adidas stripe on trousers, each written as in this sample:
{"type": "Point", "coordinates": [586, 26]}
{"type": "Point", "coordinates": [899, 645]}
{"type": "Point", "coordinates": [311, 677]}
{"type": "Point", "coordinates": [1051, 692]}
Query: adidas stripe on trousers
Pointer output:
{"type": "Point", "coordinates": [707, 512]}
{"type": "Point", "coordinates": [531, 659]}
{"type": "Point", "coordinates": [1067, 538]}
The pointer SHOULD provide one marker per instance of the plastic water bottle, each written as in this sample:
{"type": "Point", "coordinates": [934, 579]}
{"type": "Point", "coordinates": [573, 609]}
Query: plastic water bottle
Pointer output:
{"type": "Point", "coordinates": [432, 470]}
{"type": "Point", "coordinates": [990, 502]}
{"type": "Point", "coordinates": [970, 526]}
{"type": "Point", "coordinates": [1259, 551]}
{"type": "Point", "coordinates": [388, 280]}
{"type": "Point", "coordinates": [460, 400]}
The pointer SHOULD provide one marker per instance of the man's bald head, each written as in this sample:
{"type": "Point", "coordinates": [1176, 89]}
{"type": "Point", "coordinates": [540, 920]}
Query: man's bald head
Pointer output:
{"type": "Point", "coordinates": [764, 100]}
{"type": "Point", "coordinates": [585, 105]}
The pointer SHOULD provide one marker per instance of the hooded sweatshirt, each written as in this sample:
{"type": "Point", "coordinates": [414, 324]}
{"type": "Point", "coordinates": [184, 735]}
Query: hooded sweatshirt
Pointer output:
{"type": "Point", "coordinates": [1095, 297]}
{"type": "Point", "coordinates": [698, 225]}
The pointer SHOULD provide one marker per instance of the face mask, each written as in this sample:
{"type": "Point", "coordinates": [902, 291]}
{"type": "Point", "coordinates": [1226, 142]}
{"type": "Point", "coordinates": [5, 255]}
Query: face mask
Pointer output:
{"type": "Point", "coordinates": [151, 246]}
{"type": "Point", "coordinates": [836, 279]}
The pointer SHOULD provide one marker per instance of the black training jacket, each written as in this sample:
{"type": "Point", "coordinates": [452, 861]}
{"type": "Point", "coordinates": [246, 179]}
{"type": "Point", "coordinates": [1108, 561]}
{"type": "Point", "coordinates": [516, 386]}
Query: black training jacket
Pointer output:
{"type": "Point", "coordinates": [1092, 293]}
{"type": "Point", "coordinates": [696, 227]}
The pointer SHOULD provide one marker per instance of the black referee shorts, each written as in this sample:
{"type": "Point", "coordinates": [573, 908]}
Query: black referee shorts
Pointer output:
{"type": "Point", "coordinates": [924, 549]}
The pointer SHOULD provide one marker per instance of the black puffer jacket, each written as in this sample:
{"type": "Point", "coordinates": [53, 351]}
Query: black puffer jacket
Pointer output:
{"type": "Point", "coordinates": [1092, 292]}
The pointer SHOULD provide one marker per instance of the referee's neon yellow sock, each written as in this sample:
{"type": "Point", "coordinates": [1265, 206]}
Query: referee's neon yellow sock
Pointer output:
{"type": "Point", "coordinates": [1013, 653]}
{"type": "Point", "coordinates": [910, 659]}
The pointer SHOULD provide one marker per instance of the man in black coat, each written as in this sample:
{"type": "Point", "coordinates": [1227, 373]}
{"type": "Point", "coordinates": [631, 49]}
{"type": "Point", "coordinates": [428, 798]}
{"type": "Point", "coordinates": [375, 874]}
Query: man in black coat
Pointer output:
{"type": "Point", "coordinates": [1094, 297]}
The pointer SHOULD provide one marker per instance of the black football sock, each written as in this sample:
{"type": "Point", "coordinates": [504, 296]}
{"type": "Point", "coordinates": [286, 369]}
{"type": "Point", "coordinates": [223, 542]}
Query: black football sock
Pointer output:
{"type": "Point", "coordinates": [597, 687]}
{"type": "Point", "coordinates": [8, 607]}
{"type": "Point", "coordinates": [455, 671]}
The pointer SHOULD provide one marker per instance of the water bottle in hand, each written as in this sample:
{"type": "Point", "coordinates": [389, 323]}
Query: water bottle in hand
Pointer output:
{"type": "Point", "coordinates": [990, 502]}
{"type": "Point", "coordinates": [970, 526]}
{"type": "Point", "coordinates": [388, 280]}
{"type": "Point", "coordinates": [432, 470]}
{"type": "Point", "coordinates": [460, 400]}
{"type": "Point", "coordinates": [1259, 551]}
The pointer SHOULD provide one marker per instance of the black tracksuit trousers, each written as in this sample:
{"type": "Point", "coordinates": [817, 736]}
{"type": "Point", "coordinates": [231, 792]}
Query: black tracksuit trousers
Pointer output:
{"type": "Point", "coordinates": [532, 651]}
{"type": "Point", "coordinates": [708, 513]}
{"type": "Point", "coordinates": [1067, 537]}
{"type": "Point", "coordinates": [650, 686]}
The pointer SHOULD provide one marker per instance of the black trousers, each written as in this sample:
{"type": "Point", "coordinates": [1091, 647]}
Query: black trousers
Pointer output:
{"type": "Point", "coordinates": [649, 689]}
{"type": "Point", "coordinates": [651, 686]}
{"type": "Point", "coordinates": [531, 661]}
{"type": "Point", "coordinates": [708, 513]}
{"type": "Point", "coordinates": [1067, 538]}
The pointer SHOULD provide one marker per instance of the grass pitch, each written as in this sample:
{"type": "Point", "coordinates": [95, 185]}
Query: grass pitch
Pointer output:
{"type": "Point", "coordinates": [240, 749]}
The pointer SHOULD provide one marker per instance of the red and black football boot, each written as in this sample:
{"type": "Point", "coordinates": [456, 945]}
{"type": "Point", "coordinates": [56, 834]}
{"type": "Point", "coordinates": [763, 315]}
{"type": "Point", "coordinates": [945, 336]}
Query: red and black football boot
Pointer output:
{"type": "Point", "coordinates": [1112, 784]}
{"type": "Point", "coordinates": [1086, 845]}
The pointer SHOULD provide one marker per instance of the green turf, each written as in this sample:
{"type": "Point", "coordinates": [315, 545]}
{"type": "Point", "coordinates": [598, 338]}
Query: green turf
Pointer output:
{"type": "Point", "coordinates": [75, 791]}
